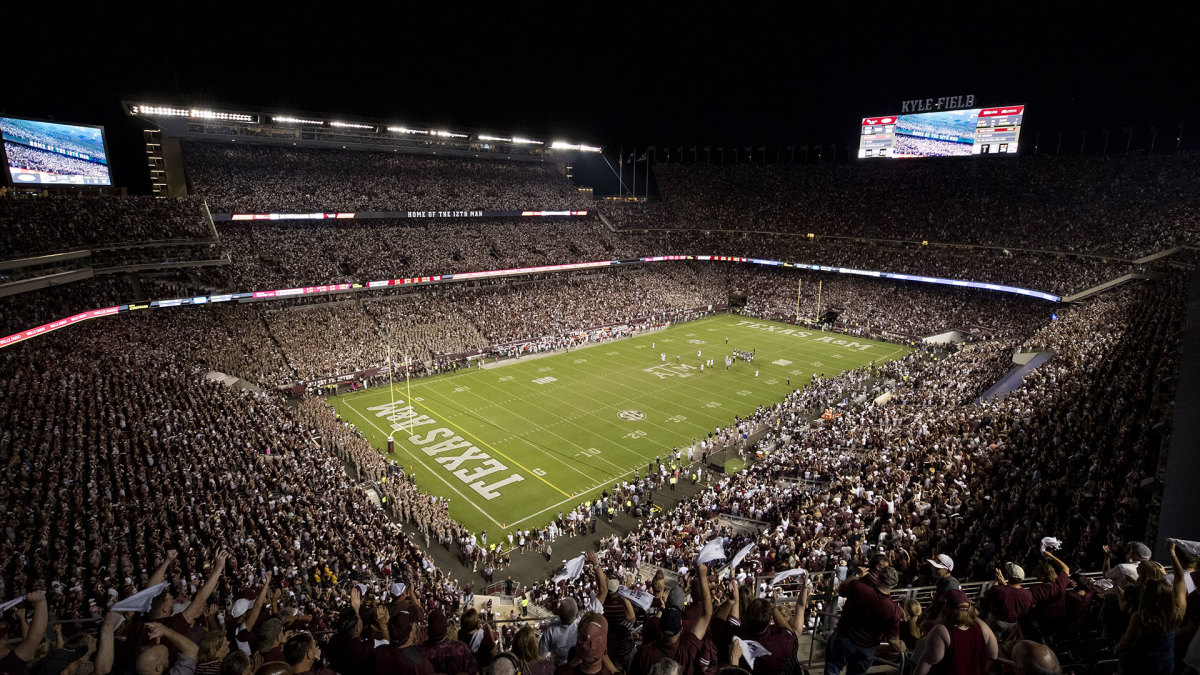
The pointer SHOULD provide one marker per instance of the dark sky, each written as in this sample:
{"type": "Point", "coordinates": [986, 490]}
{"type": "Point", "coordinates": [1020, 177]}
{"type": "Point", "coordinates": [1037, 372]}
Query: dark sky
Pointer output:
{"type": "Point", "coordinates": [610, 73]}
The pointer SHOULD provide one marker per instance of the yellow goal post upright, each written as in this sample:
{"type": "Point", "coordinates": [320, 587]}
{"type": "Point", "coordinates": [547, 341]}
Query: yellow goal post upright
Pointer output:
{"type": "Point", "coordinates": [799, 286]}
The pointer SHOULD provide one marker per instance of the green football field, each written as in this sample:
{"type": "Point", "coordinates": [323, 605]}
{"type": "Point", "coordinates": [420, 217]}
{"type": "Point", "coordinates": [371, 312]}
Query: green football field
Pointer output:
{"type": "Point", "coordinates": [512, 444]}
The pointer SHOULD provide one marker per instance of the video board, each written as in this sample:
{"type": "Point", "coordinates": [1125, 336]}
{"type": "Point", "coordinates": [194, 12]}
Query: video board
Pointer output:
{"type": "Point", "coordinates": [51, 153]}
{"type": "Point", "coordinates": [949, 133]}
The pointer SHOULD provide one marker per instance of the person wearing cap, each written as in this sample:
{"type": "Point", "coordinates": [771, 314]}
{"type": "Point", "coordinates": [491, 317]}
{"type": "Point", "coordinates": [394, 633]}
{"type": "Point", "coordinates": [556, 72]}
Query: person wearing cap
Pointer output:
{"type": "Point", "coordinates": [943, 580]}
{"type": "Point", "coordinates": [401, 656]}
{"type": "Point", "coordinates": [1007, 600]}
{"type": "Point", "coordinates": [1148, 645]}
{"type": "Point", "coordinates": [1125, 574]}
{"type": "Point", "coordinates": [403, 601]}
{"type": "Point", "coordinates": [869, 617]}
{"type": "Point", "coordinates": [960, 643]}
{"type": "Point", "coordinates": [17, 659]}
{"type": "Point", "coordinates": [618, 612]}
{"type": "Point", "coordinates": [446, 655]}
{"type": "Point", "coordinates": [1049, 598]}
{"type": "Point", "coordinates": [591, 648]}
{"type": "Point", "coordinates": [682, 647]}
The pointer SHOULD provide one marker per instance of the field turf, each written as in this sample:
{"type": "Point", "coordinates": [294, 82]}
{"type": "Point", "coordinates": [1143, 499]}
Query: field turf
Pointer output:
{"type": "Point", "coordinates": [514, 443]}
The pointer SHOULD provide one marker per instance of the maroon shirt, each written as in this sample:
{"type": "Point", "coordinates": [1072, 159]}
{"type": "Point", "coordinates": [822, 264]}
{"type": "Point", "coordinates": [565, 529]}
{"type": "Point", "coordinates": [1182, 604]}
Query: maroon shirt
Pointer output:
{"type": "Point", "coordinates": [870, 616]}
{"type": "Point", "coordinates": [350, 655]}
{"type": "Point", "coordinates": [392, 659]}
{"type": "Point", "coordinates": [12, 664]}
{"type": "Point", "coordinates": [781, 642]}
{"type": "Point", "coordinates": [684, 652]}
{"type": "Point", "coordinates": [965, 655]}
{"type": "Point", "coordinates": [450, 656]}
{"type": "Point", "coordinates": [1008, 603]}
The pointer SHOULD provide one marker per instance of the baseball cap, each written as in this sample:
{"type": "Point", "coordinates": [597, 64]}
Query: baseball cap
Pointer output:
{"type": "Point", "coordinates": [1140, 550]}
{"type": "Point", "coordinates": [400, 625]}
{"type": "Point", "coordinates": [240, 607]}
{"type": "Point", "coordinates": [675, 598]}
{"type": "Point", "coordinates": [957, 598]}
{"type": "Point", "coordinates": [437, 625]}
{"type": "Point", "coordinates": [591, 641]}
{"type": "Point", "coordinates": [613, 585]}
{"type": "Point", "coordinates": [397, 589]}
{"type": "Point", "coordinates": [671, 622]}
{"type": "Point", "coordinates": [1014, 571]}
{"type": "Point", "coordinates": [942, 561]}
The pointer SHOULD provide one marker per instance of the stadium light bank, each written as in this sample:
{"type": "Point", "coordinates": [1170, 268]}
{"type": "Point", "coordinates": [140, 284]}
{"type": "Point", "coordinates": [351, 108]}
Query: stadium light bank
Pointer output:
{"type": "Point", "coordinates": [563, 145]}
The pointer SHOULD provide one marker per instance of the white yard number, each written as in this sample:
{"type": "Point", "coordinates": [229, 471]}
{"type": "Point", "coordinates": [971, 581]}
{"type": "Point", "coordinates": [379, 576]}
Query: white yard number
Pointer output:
{"type": "Point", "coordinates": [506, 378]}
{"type": "Point", "coordinates": [546, 380]}
{"type": "Point", "coordinates": [635, 434]}
{"type": "Point", "coordinates": [580, 360]}
{"type": "Point", "coordinates": [712, 404]}
{"type": "Point", "coordinates": [458, 389]}
{"type": "Point", "coordinates": [677, 419]}
{"type": "Point", "coordinates": [588, 452]}
{"type": "Point", "coordinates": [539, 472]}
{"type": "Point", "coordinates": [546, 369]}
{"type": "Point", "coordinates": [744, 392]}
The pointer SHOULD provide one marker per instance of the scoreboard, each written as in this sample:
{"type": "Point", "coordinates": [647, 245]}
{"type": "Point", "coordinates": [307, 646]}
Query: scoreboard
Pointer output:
{"type": "Point", "coordinates": [52, 153]}
{"type": "Point", "coordinates": [978, 131]}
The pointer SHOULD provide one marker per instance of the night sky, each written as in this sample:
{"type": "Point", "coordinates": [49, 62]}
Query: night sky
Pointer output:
{"type": "Point", "coordinates": [610, 73]}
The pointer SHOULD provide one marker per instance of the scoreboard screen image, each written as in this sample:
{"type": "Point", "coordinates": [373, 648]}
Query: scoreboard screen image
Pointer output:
{"type": "Point", "coordinates": [51, 153]}
{"type": "Point", "coordinates": [977, 131]}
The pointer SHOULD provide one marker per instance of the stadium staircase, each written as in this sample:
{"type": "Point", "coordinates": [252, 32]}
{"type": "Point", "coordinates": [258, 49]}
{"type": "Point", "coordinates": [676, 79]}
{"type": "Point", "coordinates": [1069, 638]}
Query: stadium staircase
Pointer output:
{"type": "Point", "coordinates": [1110, 284]}
{"type": "Point", "coordinates": [1013, 379]}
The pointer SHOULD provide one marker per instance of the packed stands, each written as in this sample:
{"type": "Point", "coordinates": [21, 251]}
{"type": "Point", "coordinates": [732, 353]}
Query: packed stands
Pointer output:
{"type": "Point", "coordinates": [128, 467]}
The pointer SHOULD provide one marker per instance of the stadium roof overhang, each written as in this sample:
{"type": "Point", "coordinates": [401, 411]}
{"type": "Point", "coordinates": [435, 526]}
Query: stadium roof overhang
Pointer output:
{"type": "Point", "coordinates": [233, 124]}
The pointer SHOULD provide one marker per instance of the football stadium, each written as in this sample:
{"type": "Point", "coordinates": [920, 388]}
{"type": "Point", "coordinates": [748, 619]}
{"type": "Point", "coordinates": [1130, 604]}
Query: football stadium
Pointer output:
{"type": "Point", "coordinates": [405, 380]}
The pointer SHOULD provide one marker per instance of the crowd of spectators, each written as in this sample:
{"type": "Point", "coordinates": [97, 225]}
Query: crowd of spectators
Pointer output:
{"type": "Point", "coordinates": [33, 226]}
{"type": "Point", "coordinates": [22, 156]}
{"type": "Point", "coordinates": [1111, 205]}
{"type": "Point", "coordinates": [279, 533]}
{"type": "Point", "coordinates": [272, 179]}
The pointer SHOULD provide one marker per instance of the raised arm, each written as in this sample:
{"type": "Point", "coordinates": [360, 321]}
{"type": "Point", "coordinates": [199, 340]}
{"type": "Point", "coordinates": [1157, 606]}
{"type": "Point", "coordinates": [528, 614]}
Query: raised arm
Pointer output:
{"type": "Point", "coordinates": [252, 615]}
{"type": "Point", "coordinates": [602, 594]}
{"type": "Point", "coordinates": [735, 614]}
{"type": "Point", "coordinates": [196, 607]}
{"type": "Point", "coordinates": [1179, 587]}
{"type": "Point", "coordinates": [801, 606]}
{"type": "Point", "coordinates": [160, 574]}
{"type": "Point", "coordinates": [701, 626]}
{"type": "Point", "coordinates": [185, 646]}
{"type": "Point", "coordinates": [1066, 569]}
{"type": "Point", "coordinates": [104, 653]}
{"type": "Point", "coordinates": [37, 628]}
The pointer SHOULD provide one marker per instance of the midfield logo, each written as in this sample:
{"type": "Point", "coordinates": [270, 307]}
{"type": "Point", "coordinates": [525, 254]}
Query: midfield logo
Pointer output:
{"type": "Point", "coordinates": [672, 370]}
